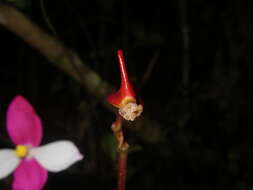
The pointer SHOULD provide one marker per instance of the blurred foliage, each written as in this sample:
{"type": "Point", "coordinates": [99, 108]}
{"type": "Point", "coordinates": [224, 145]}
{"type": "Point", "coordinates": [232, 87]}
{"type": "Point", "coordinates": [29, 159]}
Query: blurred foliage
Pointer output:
{"type": "Point", "coordinates": [205, 127]}
{"type": "Point", "coordinates": [21, 4]}
{"type": "Point", "coordinates": [109, 145]}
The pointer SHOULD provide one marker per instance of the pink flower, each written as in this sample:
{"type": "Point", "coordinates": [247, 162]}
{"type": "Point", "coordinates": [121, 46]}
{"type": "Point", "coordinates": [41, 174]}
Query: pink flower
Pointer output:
{"type": "Point", "coordinates": [29, 160]}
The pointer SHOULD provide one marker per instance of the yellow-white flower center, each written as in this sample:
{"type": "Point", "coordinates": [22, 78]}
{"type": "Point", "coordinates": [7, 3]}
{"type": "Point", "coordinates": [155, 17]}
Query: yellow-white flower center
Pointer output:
{"type": "Point", "coordinates": [130, 111]}
{"type": "Point", "coordinates": [21, 151]}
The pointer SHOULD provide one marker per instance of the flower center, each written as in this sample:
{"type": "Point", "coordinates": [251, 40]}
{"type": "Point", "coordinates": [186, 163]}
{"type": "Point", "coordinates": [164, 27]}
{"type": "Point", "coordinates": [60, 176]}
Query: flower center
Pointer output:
{"type": "Point", "coordinates": [130, 111]}
{"type": "Point", "coordinates": [21, 151]}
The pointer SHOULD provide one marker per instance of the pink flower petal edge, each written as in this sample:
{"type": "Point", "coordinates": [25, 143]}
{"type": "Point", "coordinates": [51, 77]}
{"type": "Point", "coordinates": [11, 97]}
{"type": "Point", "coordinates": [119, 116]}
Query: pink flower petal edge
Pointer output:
{"type": "Point", "coordinates": [23, 124]}
{"type": "Point", "coordinates": [29, 175]}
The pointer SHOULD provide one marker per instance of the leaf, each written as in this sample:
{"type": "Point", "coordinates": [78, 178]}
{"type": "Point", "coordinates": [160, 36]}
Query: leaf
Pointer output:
{"type": "Point", "coordinates": [109, 146]}
{"type": "Point", "coordinates": [134, 149]}
{"type": "Point", "coordinates": [21, 4]}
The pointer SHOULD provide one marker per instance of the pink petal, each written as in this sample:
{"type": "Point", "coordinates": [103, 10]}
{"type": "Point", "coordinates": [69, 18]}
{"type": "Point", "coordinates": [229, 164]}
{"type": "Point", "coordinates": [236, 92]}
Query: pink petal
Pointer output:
{"type": "Point", "coordinates": [29, 175]}
{"type": "Point", "coordinates": [23, 124]}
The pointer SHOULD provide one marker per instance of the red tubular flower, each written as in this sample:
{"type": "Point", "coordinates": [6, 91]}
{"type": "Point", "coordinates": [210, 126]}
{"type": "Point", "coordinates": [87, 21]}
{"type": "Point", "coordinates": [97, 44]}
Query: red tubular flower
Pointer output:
{"type": "Point", "coordinates": [125, 98]}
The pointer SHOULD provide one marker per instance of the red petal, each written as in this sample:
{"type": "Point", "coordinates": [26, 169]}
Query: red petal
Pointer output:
{"type": "Point", "coordinates": [126, 92]}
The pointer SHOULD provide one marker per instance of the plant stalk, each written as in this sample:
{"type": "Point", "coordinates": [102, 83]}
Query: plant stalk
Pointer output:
{"type": "Point", "coordinates": [122, 167]}
{"type": "Point", "coordinates": [122, 152]}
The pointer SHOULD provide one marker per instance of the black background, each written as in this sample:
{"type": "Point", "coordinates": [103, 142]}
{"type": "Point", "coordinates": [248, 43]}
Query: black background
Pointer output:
{"type": "Point", "coordinates": [205, 119]}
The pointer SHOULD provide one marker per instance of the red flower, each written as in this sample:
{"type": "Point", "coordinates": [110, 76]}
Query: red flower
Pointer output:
{"type": "Point", "coordinates": [125, 97]}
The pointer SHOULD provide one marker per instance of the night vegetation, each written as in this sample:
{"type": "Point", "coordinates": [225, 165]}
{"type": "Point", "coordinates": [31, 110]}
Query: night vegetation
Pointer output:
{"type": "Point", "coordinates": [189, 61]}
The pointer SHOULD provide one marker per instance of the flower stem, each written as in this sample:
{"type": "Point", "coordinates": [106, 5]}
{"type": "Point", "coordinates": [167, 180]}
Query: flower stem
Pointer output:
{"type": "Point", "coordinates": [122, 167]}
{"type": "Point", "coordinates": [122, 152]}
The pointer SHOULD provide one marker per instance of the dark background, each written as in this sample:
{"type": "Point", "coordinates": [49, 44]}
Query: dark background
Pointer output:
{"type": "Point", "coordinates": [199, 89]}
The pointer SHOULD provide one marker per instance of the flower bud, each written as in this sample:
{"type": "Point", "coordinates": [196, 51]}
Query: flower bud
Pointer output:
{"type": "Point", "coordinates": [125, 97]}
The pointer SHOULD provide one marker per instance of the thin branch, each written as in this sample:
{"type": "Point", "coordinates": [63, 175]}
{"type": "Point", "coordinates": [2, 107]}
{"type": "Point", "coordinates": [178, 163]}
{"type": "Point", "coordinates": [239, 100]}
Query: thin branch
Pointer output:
{"type": "Point", "coordinates": [46, 18]}
{"type": "Point", "coordinates": [185, 43]}
{"type": "Point", "coordinates": [186, 60]}
{"type": "Point", "coordinates": [149, 69]}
